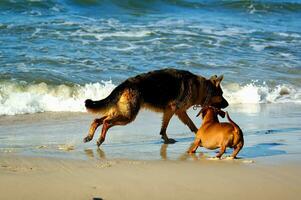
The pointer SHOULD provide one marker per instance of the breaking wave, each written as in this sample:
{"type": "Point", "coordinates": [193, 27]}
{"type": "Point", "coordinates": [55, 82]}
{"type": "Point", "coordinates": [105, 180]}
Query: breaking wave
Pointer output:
{"type": "Point", "coordinates": [253, 93]}
{"type": "Point", "coordinates": [23, 98]}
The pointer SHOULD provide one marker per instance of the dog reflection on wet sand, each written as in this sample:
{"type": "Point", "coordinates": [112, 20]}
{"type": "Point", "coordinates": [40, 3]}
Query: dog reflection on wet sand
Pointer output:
{"type": "Point", "coordinates": [182, 157]}
{"type": "Point", "coordinates": [100, 154]}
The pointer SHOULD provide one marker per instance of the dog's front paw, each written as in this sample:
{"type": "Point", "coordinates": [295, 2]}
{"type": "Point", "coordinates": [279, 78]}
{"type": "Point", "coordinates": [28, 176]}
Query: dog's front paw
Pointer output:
{"type": "Point", "coordinates": [229, 158]}
{"type": "Point", "coordinates": [87, 139]}
{"type": "Point", "coordinates": [169, 141]}
{"type": "Point", "coordinates": [99, 142]}
{"type": "Point", "coordinates": [190, 152]}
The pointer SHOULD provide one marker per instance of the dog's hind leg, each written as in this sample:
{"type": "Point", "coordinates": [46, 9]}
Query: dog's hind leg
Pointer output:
{"type": "Point", "coordinates": [125, 112]}
{"type": "Point", "coordinates": [110, 122]}
{"type": "Point", "coordinates": [187, 121]}
{"type": "Point", "coordinates": [95, 124]}
{"type": "Point", "coordinates": [105, 128]}
{"type": "Point", "coordinates": [222, 151]}
{"type": "Point", "coordinates": [237, 149]}
{"type": "Point", "coordinates": [167, 115]}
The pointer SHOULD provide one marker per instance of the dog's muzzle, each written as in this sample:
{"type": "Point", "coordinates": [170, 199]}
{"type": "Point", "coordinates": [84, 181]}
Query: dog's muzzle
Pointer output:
{"type": "Point", "coordinates": [224, 103]}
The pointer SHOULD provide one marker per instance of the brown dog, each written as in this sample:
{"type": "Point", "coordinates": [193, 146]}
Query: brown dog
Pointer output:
{"type": "Point", "coordinates": [213, 134]}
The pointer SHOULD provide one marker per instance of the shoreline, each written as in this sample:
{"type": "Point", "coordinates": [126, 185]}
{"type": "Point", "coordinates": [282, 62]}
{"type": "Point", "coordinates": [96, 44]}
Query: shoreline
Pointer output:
{"type": "Point", "coordinates": [269, 131]}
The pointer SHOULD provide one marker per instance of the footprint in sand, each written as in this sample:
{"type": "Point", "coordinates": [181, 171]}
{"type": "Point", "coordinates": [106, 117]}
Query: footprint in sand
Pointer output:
{"type": "Point", "coordinates": [66, 147]}
{"type": "Point", "coordinates": [15, 168]}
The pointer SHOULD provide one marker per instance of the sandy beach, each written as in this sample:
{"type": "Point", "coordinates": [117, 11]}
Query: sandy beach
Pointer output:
{"type": "Point", "coordinates": [42, 156]}
{"type": "Point", "coordinates": [41, 178]}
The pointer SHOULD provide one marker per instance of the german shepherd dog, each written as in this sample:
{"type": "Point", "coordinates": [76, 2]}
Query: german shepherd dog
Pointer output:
{"type": "Point", "coordinates": [169, 91]}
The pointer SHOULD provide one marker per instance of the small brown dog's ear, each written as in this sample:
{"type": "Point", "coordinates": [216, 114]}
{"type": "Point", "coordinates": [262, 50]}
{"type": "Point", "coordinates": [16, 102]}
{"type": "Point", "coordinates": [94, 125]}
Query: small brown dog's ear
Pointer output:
{"type": "Point", "coordinates": [201, 111]}
{"type": "Point", "coordinates": [222, 113]}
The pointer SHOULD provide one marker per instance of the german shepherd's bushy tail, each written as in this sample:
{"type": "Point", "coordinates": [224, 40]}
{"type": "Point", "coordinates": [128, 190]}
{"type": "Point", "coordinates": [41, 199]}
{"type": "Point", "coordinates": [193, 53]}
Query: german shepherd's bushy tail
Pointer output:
{"type": "Point", "coordinates": [103, 105]}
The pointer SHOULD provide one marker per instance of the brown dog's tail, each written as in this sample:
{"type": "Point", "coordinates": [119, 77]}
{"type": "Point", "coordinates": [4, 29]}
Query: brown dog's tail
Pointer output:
{"type": "Point", "coordinates": [236, 127]}
{"type": "Point", "coordinates": [237, 130]}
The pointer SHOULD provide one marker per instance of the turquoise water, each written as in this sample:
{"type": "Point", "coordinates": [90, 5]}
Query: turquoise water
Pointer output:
{"type": "Point", "coordinates": [54, 54]}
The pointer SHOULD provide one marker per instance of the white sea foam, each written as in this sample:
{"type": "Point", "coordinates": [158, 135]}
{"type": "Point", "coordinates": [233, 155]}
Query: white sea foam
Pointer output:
{"type": "Point", "coordinates": [258, 47]}
{"type": "Point", "coordinates": [286, 55]}
{"type": "Point", "coordinates": [181, 46]}
{"type": "Point", "coordinates": [100, 36]}
{"type": "Point", "coordinates": [22, 98]}
{"type": "Point", "coordinates": [129, 47]}
{"type": "Point", "coordinates": [231, 31]}
{"type": "Point", "coordinates": [35, 32]}
{"type": "Point", "coordinates": [294, 35]}
{"type": "Point", "coordinates": [255, 94]}
{"type": "Point", "coordinates": [182, 32]}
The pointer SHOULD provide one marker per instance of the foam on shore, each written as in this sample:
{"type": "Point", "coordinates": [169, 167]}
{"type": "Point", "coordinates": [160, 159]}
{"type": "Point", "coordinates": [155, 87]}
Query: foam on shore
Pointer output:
{"type": "Point", "coordinates": [23, 98]}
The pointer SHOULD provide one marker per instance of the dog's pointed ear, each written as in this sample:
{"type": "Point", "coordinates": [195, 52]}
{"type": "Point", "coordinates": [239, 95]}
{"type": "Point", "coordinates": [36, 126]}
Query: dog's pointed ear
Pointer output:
{"type": "Point", "coordinates": [201, 111]}
{"type": "Point", "coordinates": [213, 79]}
{"type": "Point", "coordinates": [216, 80]}
{"type": "Point", "coordinates": [219, 80]}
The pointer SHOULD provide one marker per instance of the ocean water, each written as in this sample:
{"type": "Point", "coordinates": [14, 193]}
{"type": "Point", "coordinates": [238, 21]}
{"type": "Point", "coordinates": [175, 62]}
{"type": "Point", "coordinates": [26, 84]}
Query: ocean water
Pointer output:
{"type": "Point", "coordinates": [55, 54]}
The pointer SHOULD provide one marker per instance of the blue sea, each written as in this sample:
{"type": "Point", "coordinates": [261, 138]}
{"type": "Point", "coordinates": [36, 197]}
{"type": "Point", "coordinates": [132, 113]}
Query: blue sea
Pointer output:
{"type": "Point", "coordinates": [55, 54]}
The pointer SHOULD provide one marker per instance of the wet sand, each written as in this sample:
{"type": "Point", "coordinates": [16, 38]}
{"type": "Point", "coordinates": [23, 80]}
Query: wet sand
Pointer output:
{"type": "Point", "coordinates": [269, 130]}
{"type": "Point", "coordinates": [42, 156]}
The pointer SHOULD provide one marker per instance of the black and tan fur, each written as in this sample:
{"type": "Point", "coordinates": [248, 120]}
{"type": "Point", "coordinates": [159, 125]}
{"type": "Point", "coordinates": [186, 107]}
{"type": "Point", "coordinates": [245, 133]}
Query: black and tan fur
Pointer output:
{"type": "Point", "coordinates": [169, 91]}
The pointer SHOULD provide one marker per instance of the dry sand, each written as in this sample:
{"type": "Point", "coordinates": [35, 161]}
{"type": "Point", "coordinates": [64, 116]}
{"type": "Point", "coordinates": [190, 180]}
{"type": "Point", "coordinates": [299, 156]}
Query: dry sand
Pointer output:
{"type": "Point", "coordinates": [29, 178]}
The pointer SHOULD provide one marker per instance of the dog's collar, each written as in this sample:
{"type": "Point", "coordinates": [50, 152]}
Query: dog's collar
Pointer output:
{"type": "Point", "coordinates": [205, 104]}
{"type": "Point", "coordinates": [216, 110]}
